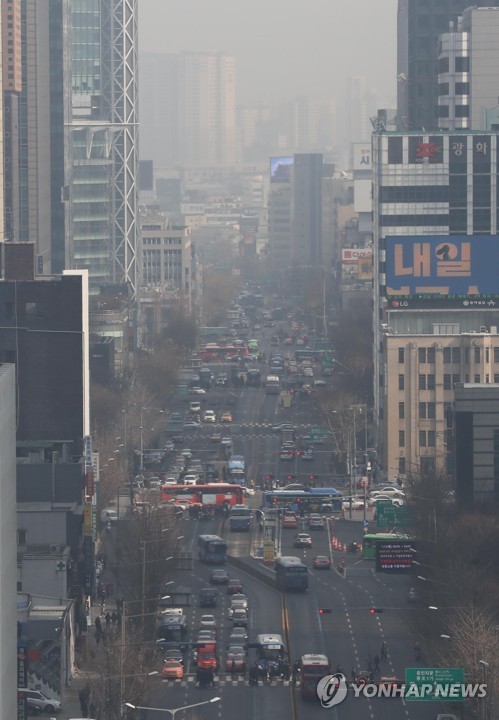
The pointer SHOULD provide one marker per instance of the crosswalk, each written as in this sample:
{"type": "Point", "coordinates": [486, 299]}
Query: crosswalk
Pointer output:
{"type": "Point", "coordinates": [226, 680]}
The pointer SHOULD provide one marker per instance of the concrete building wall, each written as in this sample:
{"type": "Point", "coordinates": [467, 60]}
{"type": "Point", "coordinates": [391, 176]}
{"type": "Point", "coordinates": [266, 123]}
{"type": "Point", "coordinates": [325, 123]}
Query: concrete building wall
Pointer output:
{"type": "Point", "coordinates": [8, 610]}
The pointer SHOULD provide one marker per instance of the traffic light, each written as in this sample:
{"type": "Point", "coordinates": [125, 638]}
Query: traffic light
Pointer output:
{"type": "Point", "coordinates": [298, 454]}
{"type": "Point", "coordinates": [313, 477]}
{"type": "Point", "coordinates": [375, 611]}
{"type": "Point", "coordinates": [324, 611]}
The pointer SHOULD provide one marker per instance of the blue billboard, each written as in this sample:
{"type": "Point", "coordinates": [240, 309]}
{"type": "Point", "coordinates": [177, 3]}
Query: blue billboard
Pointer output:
{"type": "Point", "coordinates": [442, 267]}
{"type": "Point", "coordinates": [280, 169]}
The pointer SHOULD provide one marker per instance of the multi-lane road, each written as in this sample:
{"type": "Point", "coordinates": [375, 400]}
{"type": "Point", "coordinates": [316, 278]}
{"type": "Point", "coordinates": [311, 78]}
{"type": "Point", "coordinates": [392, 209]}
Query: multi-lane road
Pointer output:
{"type": "Point", "coordinates": [349, 635]}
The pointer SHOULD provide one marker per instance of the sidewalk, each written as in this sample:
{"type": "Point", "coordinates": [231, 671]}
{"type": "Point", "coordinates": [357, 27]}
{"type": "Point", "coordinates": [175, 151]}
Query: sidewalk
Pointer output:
{"type": "Point", "coordinates": [87, 654]}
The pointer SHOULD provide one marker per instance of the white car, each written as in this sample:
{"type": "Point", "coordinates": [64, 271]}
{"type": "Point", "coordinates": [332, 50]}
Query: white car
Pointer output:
{"type": "Point", "coordinates": [209, 416]}
{"type": "Point", "coordinates": [197, 391]}
{"type": "Point", "coordinates": [190, 480]}
{"type": "Point", "coordinates": [394, 500]}
{"type": "Point", "coordinates": [391, 491]}
{"type": "Point", "coordinates": [355, 505]}
{"type": "Point", "coordinates": [208, 622]}
{"type": "Point", "coordinates": [170, 481]}
{"type": "Point", "coordinates": [248, 492]}
{"type": "Point", "coordinates": [308, 372]}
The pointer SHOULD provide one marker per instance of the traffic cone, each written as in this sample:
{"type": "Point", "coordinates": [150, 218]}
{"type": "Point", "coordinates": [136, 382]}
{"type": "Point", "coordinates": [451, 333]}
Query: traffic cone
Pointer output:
{"type": "Point", "coordinates": [333, 541]}
{"type": "Point", "coordinates": [344, 547]}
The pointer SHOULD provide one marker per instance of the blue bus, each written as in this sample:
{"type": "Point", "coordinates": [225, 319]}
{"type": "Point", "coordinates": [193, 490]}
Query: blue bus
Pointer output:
{"type": "Point", "coordinates": [236, 470]}
{"type": "Point", "coordinates": [291, 573]}
{"type": "Point", "coordinates": [240, 517]}
{"type": "Point", "coordinates": [310, 500]}
{"type": "Point", "coordinates": [212, 549]}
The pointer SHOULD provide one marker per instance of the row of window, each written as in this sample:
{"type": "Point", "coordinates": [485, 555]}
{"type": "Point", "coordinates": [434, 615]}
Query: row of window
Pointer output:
{"type": "Point", "coordinates": [450, 380]}
{"type": "Point", "coordinates": [451, 355]}
{"type": "Point", "coordinates": [427, 438]}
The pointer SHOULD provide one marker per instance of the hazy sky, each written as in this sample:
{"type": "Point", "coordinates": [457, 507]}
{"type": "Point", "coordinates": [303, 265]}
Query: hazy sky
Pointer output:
{"type": "Point", "coordinates": [283, 48]}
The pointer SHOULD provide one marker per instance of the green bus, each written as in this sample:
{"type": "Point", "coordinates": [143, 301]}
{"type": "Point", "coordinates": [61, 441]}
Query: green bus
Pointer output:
{"type": "Point", "coordinates": [253, 347]}
{"type": "Point", "coordinates": [370, 540]}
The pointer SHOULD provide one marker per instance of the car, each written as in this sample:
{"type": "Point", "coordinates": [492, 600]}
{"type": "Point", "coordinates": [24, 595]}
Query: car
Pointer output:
{"type": "Point", "coordinates": [219, 577]}
{"type": "Point", "coordinates": [173, 670]}
{"type": "Point", "coordinates": [248, 491]}
{"type": "Point", "coordinates": [308, 372]}
{"type": "Point", "coordinates": [208, 597]}
{"type": "Point", "coordinates": [207, 656]}
{"type": "Point", "coordinates": [177, 439]}
{"type": "Point", "coordinates": [239, 617]}
{"type": "Point", "coordinates": [186, 453]}
{"type": "Point", "coordinates": [36, 699]}
{"type": "Point", "coordinates": [388, 490]}
{"type": "Point", "coordinates": [302, 540]}
{"type": "Point", "coordinates": [236, 659]}
{"type": "Point", "coordinates": [226, 417]}
{"type": "Point", "coordinates": [283, 426]}
{"type": "Point", "coordinates": [215, 437]}
{"type": "Point", "coordinates": [227, 441]}
{"type": "Point", "coordinates": [288, 341]}
{"type": "Point", "coordinates": [192, 425]}
{"type": "Point", "coordinates": [394, 500]}
{"type": "Point", "coordinates": [204, 636]}
{"type": "Point", "coordinates": [169, 446]}
{"type": "Point", "coordinates": [239, 599]}
{"type": "Point", "coordinates": [234, 586]}
{"type": "Point", "coordinates": [174, 654]}
{"type": "Point", "coordinates": [238, 636]}
{"type": "Point", "coordinates": [176, 417]}
{"type": "Point", "coordinates": [209, 416]}
{"type": "Point", "coordinates": [208, 622]}
{"type": "Point", "coordinates": [286, 455]}
{"type": "Point", "coordinates": [221, 380]}
{"type": "Point", "coordinates": [356, 504]}
{"type": "Point", "coordinates": [190, 479]}
{"type": "Point", "coordinates": [197, 391]}
{"type": "Point", "coordinates": [321, 562]}
{"type": "Point", "coordinates": [320, 383]}
{"type": "Point", "coordinates": [290, 520]}
{"type": "Point", "coordinates": [315, 522]}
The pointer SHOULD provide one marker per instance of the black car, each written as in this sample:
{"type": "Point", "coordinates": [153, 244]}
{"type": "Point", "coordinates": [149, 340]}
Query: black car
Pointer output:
{"type": "Point", "coordinates": [208, 597]}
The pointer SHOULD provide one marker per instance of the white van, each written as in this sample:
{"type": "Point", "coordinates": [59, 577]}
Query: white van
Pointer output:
{"type": "Point", "coordinates": [109, 515]}
{"type": "Point", "coordinates": [195, 407]}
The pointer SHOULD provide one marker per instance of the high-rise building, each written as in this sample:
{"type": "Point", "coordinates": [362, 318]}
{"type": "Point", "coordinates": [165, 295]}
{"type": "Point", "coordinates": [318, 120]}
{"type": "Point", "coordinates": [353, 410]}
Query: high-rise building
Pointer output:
{"type": "Point", "coordinates": [468, 86]}
{"type": "Point", "coordinates": [419, 26]}
{"type": "Point", "coordinates": [44, 114]}
{"type": "Point", "coordinates": [8, 557]}
{"type": "Point", "coordinates": [191, 104]}
{"type": "Point", "coordinates": [12, 86]}
{"type": "Point", "coordinates": [308, 172]}
{"type": "Point", "coordinates": [103, 192]}
{"type": "Point", "coordinates": [436, 245]}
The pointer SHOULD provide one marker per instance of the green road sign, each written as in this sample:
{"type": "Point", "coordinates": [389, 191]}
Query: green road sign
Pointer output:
{"type": "Point", "coordinates": [319, 433]}
{"type": "Point", "coordinates": [434, 684]}
{"type": "Point", "coordinates": [389, 515]}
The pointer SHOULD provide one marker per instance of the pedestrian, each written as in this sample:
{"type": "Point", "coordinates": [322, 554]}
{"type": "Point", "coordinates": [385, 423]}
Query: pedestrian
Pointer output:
{"type": "Point", "coordinates": [376, 663]}
{"type": "Point", "coordinates": [371, 676]}
{"type": "Point", "coordinates": [286, 671]}
{"type": "Point", "coordinates": [108, 619]}
{"type": "Point", "coordinates": [253, 674]}
{"type": "Point", "coordinates": [369, 663]}
{"type": "Point", "coordinates": [98, 624]}
{"type": "Point", "coordinates": [339, 669]}
{"type": "Point", "coordinates": [296, 670]}
{"type": "Point", "coordinates": [211, 678]}
{"type": "Point", "coordinates": [92, 710]}
{"type": "Point", "coordinates": [83, 703]}
{"type": "Point", "coordinates": [114, 617]}
{"type": "Point", "coordinates": [383, 653]}
{"type": "Point", "coordinates": [233, 668]}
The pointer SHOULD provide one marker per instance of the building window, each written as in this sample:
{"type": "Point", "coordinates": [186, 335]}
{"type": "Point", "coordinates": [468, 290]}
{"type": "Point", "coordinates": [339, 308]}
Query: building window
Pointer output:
{"type": "Point", "coordinates": [401, 382]}
{"type": "Point", "coordinates": [431, 381]}
{"type": "Point", "coordinates": [462, 111]}
{"type": "Point", "coordinates": [496, 354]}
{"type": "Point", "coordinates": [447, 381]}
{"type": "Point", "coordinates": [477, 379]}
{"type": "Point", "coordinates": [462, 64]}
{"type": "Point", "coordinates": [456, 355]}
{"type": "Point", "coordinates": [476, 354]}
{"type": "Point", "coordinates": [422, 411]}
{"type": "Point", "coordinates": [422, 438]}
{"type": "Point", "coordinates": [443, 65]}
{"type": "Point", "coordinates": [447, 355]}
{"type": "Point", "coordinates": [462, 88]}
{"type": "Point", "coordinates": [456, 378]}
{"type": "Point", "coordinates": [487, 355]}
{"type": "Point", "coordinates": [402, 353]}
{"type": "Point", "coordinates": [422, 355]}
{"type": "Point", "coordinates": [496, 379]}
{"type": "Point", "coordinates": [431, 355]}
{"type": "Point", "coordinates": [401, 438]}
{"type": "Point", "coordinates": [443, 88]}
{"type": "Point", "coordinates": [401, 411]}
{"type": "Point", "coordinates": [431, 411]}
{"type": "Point", "coordinates": [431, 438]}
{"type": "Point", "coordinates": [401, 466]}
{"type": "Point", "coordinates": [422, 382]}
{"type": "Point", "coordinates": [443, 111]}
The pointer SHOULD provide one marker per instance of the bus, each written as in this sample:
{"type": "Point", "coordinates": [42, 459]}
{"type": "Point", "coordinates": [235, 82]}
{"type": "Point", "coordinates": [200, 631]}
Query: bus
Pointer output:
{"type": "Point", "coordinates": [312, 668]}
{"type": "Point", "coordinates": [272, 385]}
{"type": "Point", "coordinates": [270, 648]}
{"type": "Point", "coordinates": [236, 470]}
{"type": "Point", "coordinates": [240, 518]}
{"type": "Point", "coordinates": [212, 549]}
{"type": "Point", "coordinates": [208, 494]}
{"type": "Point", "coordinates": [291, 573]}
{"type": "Point", "coordinates": [253, 347]}
{"type": "Point", "coordinates": [307, 500]}
{"type": "Point", "coordinates": [370, 540]}
{"type": "Point", "coordinates": [205, 378]}
{"type": "Point", "coordinates": [304, 354]}
{"type": "Point", "coordinates": [218, 353]}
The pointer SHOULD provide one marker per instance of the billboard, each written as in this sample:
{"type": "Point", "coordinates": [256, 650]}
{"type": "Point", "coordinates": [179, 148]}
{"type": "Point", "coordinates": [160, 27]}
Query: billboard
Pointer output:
{"type": "Point", "coordinates": [442, 267]}
{"type": "Point", "coordinates": [356, 263]}
{"type": "Point", "coordinates": [280, 168]}
{"type": "Point", "coordinates": [394, 555]}
{"type": "Point", "coordinates": [362, 156]}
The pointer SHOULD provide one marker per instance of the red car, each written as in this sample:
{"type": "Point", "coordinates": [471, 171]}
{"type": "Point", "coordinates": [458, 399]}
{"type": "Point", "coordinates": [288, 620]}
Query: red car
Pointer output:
{"type": "Point", "coordinates": [234, 586]}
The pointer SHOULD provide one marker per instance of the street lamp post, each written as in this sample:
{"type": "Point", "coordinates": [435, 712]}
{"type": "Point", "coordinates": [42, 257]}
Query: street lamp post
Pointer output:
{"type": "Point", "coordinates": [172, 711]}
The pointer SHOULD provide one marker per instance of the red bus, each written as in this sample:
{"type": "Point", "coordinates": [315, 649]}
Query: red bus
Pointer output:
{"type": "Point", "coordinates": [211, 494]}
{"type": "Point", "coordinates": [312, 669]}
{"type": "Point", "coordinates": [213, 353]}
